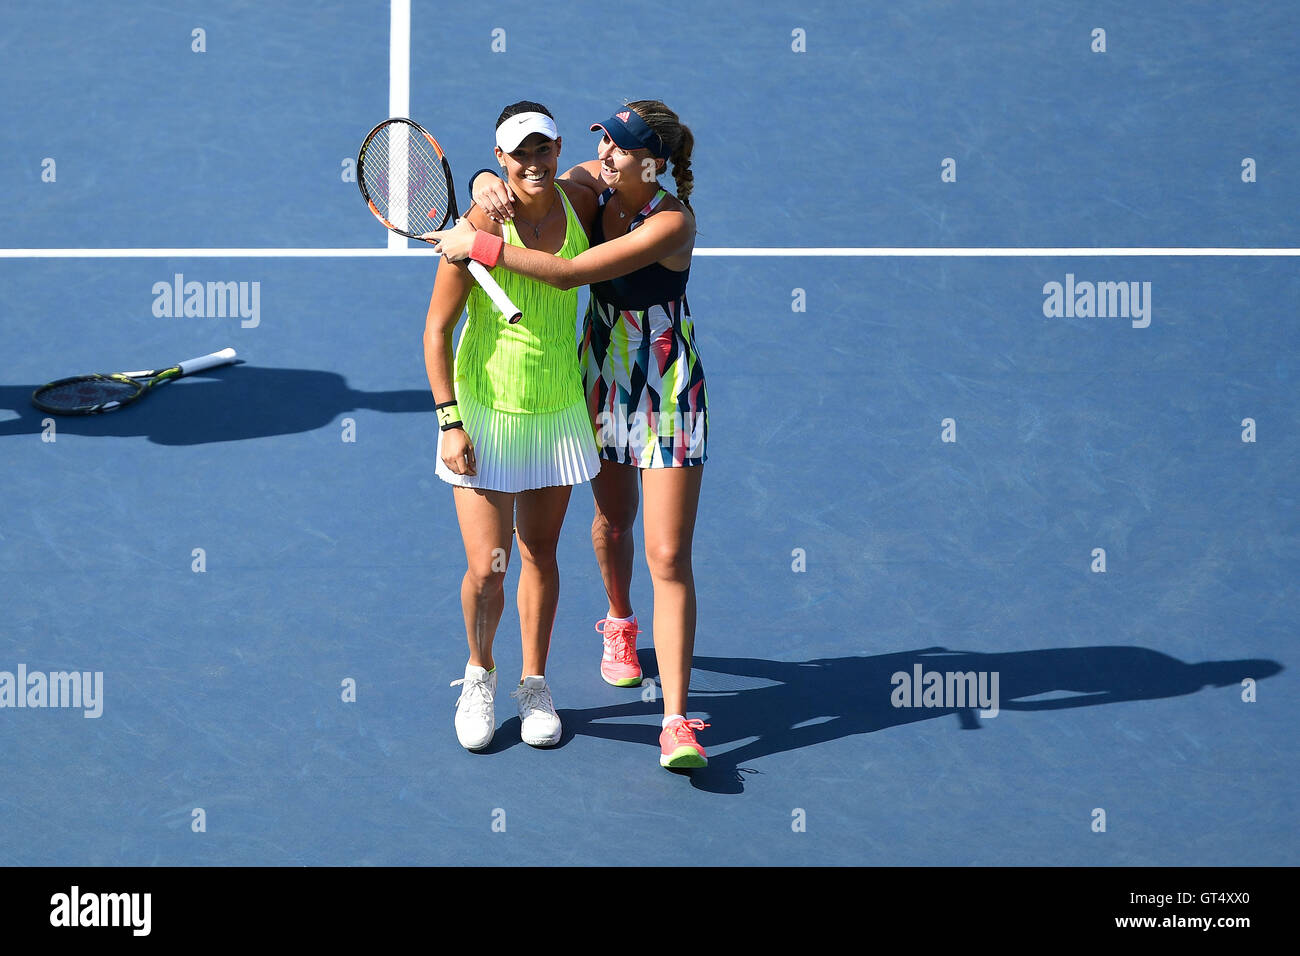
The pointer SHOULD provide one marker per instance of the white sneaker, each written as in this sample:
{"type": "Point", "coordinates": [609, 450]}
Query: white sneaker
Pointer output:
{"type": "Point", "coordinates": [475, 715]}
{"type": "Point", "coordinates": [539, 724]}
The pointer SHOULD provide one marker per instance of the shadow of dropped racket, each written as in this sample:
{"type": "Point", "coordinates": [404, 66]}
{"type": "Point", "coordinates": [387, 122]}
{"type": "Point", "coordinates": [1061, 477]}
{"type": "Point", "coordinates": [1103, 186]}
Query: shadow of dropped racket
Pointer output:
{"type": "Point", "coordinates": [94, 394]}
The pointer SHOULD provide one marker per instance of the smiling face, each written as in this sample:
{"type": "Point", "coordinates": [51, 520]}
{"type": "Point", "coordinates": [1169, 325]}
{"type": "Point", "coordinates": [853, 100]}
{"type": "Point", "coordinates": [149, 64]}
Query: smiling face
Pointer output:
{"type": "Point", "coordinates": [626, 166]}
{"type": "Point", "coordinates": [619, 165]}
{"type": "Point", "coordinates": [531, 166]}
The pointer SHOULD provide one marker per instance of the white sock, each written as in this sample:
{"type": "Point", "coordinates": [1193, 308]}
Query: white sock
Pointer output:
{"type": "Point", "coordinates": [669, 719]}
{"type": "Point", "coordinates": [621, 620]}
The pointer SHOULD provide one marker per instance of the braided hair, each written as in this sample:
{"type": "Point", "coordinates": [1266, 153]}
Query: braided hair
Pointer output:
{"type": "Point", "coordinates": [676, 137]}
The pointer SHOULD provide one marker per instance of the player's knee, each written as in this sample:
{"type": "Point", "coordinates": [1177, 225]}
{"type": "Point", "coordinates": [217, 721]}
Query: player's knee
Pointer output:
{"type": "Point", "coordinates": [611, 527]}
{"type": "Point", "coordinates": [668, 561]}
{"type": "Point", "coordinates": [539, 554]}
{"type": "Point", "coordinates": [487, 580]}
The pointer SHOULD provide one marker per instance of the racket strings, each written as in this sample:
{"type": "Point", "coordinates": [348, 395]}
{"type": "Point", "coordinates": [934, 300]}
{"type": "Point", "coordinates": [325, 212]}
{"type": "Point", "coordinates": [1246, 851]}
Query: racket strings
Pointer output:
{"type": "Point", "coordinates": [87, 392]}
{"type": "Point", "coordinates": [413, 195]}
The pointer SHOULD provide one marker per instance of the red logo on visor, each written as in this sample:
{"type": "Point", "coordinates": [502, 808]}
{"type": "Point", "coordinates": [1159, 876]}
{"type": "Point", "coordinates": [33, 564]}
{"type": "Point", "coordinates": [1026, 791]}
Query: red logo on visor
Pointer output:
{"type": "Point", "coordinates": [623, 115]}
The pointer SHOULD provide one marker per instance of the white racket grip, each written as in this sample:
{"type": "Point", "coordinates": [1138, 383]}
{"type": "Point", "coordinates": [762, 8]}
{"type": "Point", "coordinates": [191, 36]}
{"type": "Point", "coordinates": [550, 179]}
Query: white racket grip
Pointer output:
{"type": "Point", "coordinates": [224, 357]}
{"type": "Point", "coordinates": [497, 294]}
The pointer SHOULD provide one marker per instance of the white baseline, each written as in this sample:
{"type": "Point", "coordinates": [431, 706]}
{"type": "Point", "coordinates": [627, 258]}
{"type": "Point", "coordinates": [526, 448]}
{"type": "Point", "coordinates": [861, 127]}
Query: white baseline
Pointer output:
{"type": "Point", "coordinates": [866, 252]}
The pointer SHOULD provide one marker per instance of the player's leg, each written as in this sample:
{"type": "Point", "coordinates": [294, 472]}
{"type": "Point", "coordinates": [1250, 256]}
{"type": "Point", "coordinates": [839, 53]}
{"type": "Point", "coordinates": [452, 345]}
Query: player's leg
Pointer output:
{"type": "Point", "coordinates": [486, 523]}
{"type": "Point", "coordinates": [539, 517]}
{"type": "Point", "coordinates": [672, 497]}
{"type": "Point", "coordinates": [486, 526]}
{"type": "Point", "coordinates": [617, 493]}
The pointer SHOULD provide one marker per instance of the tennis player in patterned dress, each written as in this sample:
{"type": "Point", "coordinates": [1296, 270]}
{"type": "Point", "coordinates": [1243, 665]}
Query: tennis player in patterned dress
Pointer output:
{"type": "Point", "coordinates": [644, 383]}
{"type": "Point", "coordinates": [515, 434]}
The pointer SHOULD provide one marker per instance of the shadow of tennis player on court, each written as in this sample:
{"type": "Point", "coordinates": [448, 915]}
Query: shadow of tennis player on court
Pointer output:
{"type": "Point", "coordinates": [788, 705]}
{"type": "Point", "coordinates": [225, 404]}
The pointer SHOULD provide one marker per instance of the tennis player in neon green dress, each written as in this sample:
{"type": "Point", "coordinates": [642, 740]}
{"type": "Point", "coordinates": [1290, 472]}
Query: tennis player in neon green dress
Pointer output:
{"type": "Point", "coordinates": [515, 434]}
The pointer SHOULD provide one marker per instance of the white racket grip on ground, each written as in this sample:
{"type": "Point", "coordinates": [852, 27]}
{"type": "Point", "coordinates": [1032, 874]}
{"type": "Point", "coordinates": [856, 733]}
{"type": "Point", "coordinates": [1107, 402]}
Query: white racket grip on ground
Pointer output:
{"type": "Point", "coordinates": [224, 357]}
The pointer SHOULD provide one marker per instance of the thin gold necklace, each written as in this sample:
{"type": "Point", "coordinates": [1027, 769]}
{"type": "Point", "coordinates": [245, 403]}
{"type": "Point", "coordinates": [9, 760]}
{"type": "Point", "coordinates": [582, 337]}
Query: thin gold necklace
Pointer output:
{"type": "Point", "coordinates": [622, 214]}
{"type": "Point", "coordinates": [537, 229]}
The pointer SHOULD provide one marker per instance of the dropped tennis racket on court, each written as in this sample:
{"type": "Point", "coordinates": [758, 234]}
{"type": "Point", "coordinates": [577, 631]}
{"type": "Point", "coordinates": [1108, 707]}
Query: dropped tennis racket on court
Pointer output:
{"type": "Point", "coordinates": [95, 394]}
{"type": "Point", "coordinates": [406, 180]}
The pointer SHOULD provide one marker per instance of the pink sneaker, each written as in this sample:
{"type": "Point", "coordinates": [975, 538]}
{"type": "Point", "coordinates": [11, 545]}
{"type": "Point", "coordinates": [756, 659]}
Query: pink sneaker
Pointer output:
{"type": "Point", "coordinates": [678, 748]}
{"type": "Point", "coordinates": [618, 665]}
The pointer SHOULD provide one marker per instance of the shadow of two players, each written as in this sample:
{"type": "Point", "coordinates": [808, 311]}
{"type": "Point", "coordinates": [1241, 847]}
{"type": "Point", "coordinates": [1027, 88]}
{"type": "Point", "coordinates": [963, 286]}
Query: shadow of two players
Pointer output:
{"type": "Point", "coordinates": [786, 705]}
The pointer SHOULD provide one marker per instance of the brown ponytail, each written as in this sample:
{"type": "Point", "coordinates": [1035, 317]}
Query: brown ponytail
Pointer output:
{"type": "Point", "coordinates": [677, 138]}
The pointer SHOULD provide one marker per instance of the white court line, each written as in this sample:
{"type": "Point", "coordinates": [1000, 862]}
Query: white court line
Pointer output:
{"type": "Point", "coordinates": [996, 252]}
{"type": "Point", "coordinates": [902, 252]}
{"type": "Point", "coordinates": [399, 81]}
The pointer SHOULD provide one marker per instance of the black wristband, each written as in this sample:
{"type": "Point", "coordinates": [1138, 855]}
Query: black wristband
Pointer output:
{"type": "Point", "coordinates": [474, 175]}
{"type": "Point", "coordinates": [448, 415]}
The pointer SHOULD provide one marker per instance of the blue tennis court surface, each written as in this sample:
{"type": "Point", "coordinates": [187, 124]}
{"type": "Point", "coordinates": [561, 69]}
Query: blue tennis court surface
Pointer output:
{"type": "Point", "coordinates": [919, 467]}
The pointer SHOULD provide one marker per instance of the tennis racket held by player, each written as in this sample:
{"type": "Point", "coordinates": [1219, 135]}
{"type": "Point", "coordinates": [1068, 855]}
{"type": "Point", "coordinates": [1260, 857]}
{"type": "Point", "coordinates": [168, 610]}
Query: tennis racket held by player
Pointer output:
{"type": "Point", "coordinates": [405, 178]}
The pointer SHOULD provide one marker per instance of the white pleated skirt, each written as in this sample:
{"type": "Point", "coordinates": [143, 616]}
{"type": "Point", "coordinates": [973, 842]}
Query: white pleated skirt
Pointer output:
{"type": "Point", "coordinates": [520, 451]}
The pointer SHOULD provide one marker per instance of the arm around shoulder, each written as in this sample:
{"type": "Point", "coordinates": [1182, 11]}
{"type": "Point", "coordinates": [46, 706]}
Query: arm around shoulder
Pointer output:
{"type": "Point", "coordinates": [586, 175]}
{"type": "Point", "coordinates": [583, 201]}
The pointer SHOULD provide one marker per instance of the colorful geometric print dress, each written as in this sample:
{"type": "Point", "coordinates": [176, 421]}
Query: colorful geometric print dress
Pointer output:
{"type": "Point", "coordinates": [519, 387]}
{"type": "Point", "coordinates": [644, 378]}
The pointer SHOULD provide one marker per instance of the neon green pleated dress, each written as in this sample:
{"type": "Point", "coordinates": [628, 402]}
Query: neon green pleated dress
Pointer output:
{"type": "Point", "coordinates": [519, 387]}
